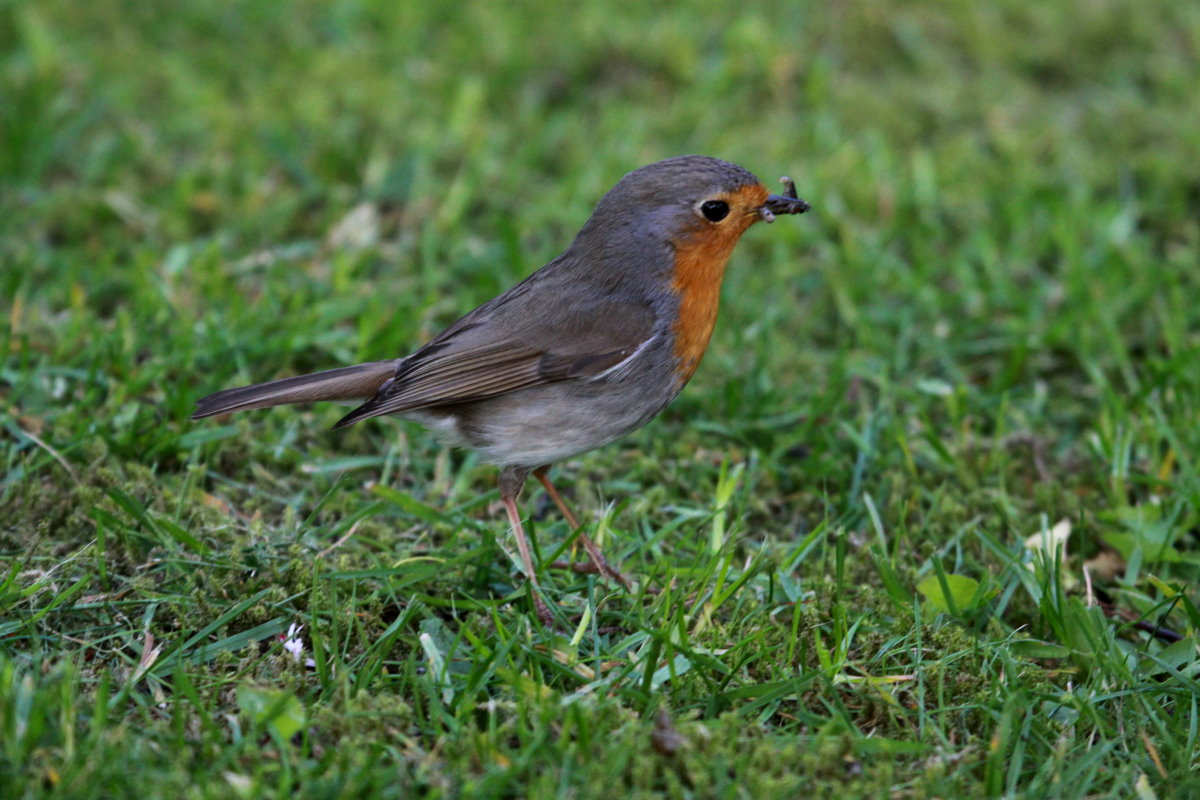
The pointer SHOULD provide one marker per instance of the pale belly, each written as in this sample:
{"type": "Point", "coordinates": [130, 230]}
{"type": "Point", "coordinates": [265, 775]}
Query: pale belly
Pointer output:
{"type": "Point", "coordinates": [539, 426]}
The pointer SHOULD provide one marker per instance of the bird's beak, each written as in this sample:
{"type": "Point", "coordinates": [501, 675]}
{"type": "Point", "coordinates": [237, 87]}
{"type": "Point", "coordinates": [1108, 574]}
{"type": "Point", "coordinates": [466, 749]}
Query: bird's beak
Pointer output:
{"type": "Point", "coordinates": [786, 203]}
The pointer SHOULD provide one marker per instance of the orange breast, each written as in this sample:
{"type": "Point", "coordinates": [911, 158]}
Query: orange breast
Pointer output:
{"type": "Point", "coordinates": [700, 260]}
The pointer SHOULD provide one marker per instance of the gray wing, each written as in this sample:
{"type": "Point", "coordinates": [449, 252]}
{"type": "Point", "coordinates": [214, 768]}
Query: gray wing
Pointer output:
{"type": "Point", "coordinates": [508, 346]}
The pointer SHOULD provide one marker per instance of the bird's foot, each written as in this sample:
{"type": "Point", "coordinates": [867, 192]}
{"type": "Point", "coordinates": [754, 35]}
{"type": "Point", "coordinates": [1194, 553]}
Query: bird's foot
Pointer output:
{"type": "Point", "coordinates": [596, 564]}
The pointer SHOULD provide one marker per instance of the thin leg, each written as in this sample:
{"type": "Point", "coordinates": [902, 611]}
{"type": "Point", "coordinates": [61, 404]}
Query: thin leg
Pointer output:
{"type": "Point", "coordinates": [543, 475]}
{"type": "Point", "coordinates": [511, 481]}
{"type": "Point", "coordinates": [598, 563]}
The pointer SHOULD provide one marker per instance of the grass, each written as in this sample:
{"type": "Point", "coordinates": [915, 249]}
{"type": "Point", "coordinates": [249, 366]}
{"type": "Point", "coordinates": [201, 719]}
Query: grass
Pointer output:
{"type": "Point", "coordinates": [988, 327]}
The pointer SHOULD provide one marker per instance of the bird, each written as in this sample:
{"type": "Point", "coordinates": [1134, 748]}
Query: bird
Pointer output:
{"type": "Point", "coordinates": [586, 349]}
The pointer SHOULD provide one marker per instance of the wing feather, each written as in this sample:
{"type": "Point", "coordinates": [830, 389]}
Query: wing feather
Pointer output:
{"type": "Point", "coordinates": [469, 362]}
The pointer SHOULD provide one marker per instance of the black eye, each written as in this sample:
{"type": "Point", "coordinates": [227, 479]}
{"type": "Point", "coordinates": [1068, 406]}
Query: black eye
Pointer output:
{"type": "Point", "coordinates": [714, 210]}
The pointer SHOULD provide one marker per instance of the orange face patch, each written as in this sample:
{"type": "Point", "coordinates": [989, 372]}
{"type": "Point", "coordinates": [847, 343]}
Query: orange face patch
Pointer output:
{"type": "Point", "coordinates": [700, 259]}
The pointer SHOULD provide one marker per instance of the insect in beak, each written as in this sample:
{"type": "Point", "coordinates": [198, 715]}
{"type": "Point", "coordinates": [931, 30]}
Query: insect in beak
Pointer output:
{"type": "Point", "coordinates": [786, 203]}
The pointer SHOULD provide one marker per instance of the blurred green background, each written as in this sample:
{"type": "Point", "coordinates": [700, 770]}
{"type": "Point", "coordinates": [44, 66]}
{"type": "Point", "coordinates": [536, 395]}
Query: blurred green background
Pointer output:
{"type": "Point", "coordinates": [989, 324]}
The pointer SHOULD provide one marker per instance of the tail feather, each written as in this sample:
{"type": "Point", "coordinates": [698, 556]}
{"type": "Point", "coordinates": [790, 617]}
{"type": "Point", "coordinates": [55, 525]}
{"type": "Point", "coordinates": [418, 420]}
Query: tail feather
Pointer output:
{"type": "Point", "coordinates": [347, 383]}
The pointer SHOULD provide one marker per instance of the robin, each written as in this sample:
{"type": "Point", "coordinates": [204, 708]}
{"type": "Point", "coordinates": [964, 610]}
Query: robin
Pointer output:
{"type": "Point", "coordinates": [586, 349]}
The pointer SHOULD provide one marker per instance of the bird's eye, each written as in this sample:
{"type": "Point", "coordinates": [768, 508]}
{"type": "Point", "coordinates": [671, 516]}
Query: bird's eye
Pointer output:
{"type": "Point", "coordinates": [714, 210]}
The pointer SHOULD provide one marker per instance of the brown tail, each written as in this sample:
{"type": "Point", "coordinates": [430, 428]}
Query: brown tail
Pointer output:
{"type": "Point", "coordinates": [348, 383]}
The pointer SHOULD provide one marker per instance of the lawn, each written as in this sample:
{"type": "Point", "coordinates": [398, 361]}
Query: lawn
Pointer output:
{"type": "Point", "coordinates": [926, 523]}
